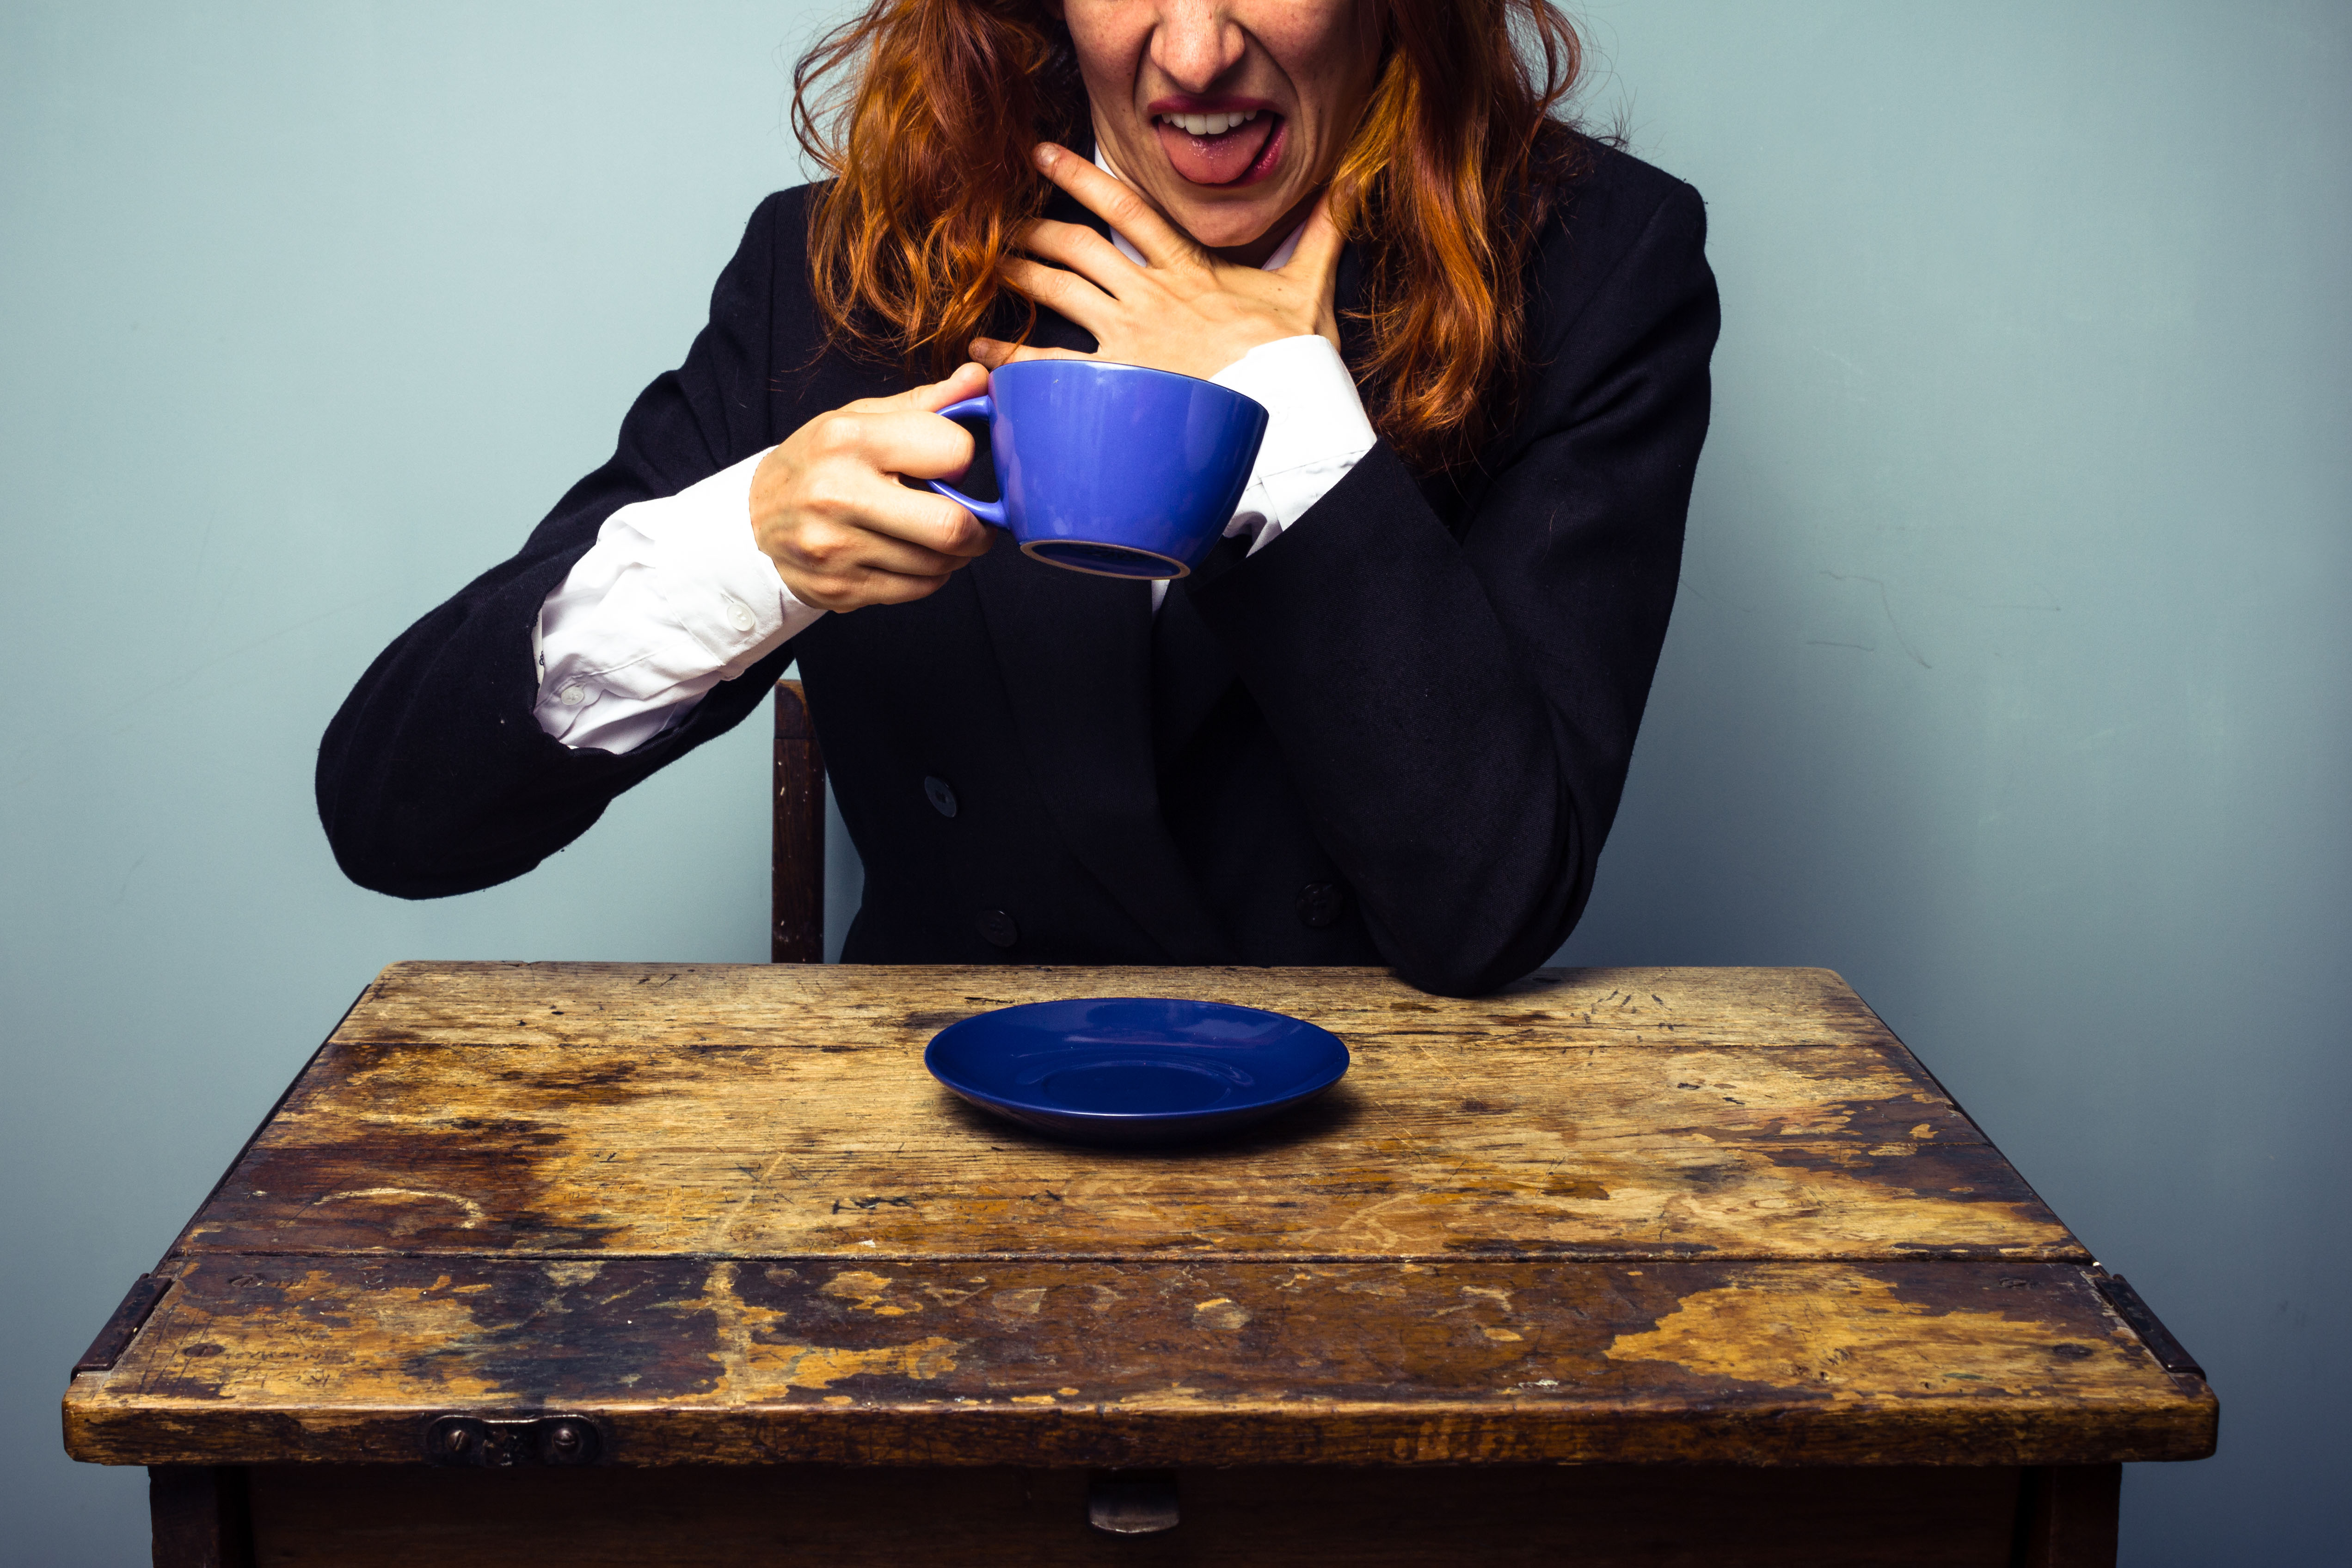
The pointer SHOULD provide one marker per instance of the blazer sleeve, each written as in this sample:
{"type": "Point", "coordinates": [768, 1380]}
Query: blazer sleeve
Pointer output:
{"type": "Point", "coordinates": [433, 777]}
{"type": "Point", "coordinates": [1459, 703]}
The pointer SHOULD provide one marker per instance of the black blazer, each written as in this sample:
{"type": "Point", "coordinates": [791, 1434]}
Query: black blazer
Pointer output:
{"type": "Point", "coordinates": [1395, 735]}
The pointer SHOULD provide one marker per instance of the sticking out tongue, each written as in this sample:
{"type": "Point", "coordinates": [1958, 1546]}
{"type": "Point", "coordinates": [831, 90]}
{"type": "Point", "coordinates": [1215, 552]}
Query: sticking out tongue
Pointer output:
{"type": "Point", "coordinates": [1218, 160]}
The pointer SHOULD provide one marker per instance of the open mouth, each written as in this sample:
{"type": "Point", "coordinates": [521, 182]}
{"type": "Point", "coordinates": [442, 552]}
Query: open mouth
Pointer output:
{"type": "Point", "coordinates": [1234, 148]}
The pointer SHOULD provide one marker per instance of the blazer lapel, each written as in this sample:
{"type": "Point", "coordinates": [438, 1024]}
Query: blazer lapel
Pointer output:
{"type": "Point", "coordinates": [1190, 668]}
{"type": "Point", "coordinates": [1089, 689]}
{"type": "Point", "coordinates": [1075, 652]}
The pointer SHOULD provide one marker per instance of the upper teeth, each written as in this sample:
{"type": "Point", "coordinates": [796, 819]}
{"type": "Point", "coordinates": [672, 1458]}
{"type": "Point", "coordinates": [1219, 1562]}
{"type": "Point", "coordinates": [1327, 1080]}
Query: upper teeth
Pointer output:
{"type": "Point", "coordinates": [1209, 124]}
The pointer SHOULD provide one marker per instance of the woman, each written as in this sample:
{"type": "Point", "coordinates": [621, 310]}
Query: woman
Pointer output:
{"type": "Point", "coordinates": [1389, 718]}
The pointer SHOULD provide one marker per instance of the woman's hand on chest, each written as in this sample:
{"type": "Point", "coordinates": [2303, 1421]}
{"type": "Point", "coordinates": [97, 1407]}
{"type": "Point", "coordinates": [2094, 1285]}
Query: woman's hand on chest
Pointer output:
{"type": "Point", "coordinates": [1185, 310]}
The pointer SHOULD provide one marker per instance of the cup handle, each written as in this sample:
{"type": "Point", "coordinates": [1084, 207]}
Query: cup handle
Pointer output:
{"type": "Point", "coordinates": [989, 511]}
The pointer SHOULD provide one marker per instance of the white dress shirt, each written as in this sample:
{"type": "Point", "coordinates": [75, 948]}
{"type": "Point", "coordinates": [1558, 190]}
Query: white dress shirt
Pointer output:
{"type": "Point", "coordinates": [676, 596]}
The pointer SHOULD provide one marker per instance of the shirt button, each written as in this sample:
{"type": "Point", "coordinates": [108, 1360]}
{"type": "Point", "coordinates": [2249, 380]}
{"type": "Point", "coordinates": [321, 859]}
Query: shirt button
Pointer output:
{"type": "Point", "coordinates": [572, 696]}
{"type": "Point", "coordinates": [941, 797]}
{"type": "Point", "coordinates": [739, 615]}
{"type": "Point", "coordinates": [1319, 903]}
{"type": "Point", "coordinates": [998, 928]}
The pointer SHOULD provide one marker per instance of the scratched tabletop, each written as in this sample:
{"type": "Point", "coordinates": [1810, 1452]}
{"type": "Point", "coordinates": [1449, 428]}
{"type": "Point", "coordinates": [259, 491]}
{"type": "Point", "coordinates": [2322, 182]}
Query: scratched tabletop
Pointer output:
{"type": "Point", "coordinates": [721, 1213]}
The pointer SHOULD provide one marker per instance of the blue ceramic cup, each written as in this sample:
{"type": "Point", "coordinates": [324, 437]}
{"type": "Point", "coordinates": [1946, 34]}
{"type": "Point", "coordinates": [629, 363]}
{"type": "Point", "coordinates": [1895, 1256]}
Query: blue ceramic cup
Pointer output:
{"type": "Point", "coordinates": [1112, 469]}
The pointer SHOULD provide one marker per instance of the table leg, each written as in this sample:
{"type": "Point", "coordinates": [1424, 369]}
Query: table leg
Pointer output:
{"type": "Point", "coordinates": [199, 1516]}
{"type": "Point", "coordinates": [2066, 1516]}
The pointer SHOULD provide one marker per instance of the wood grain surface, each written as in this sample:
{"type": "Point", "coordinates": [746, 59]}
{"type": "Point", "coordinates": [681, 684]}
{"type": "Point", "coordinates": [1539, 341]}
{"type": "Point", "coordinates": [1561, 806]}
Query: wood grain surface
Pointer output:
{"type": "Point", "coordinates": [608, 1109]}
{"type": "Point", "coordinates": [1690, 1216]}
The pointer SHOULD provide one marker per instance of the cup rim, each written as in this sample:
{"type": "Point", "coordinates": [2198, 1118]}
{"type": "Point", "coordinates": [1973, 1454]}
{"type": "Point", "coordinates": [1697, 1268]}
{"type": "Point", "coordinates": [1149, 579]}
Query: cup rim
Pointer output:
{"type": "Point", "coordinates": [1029, 548]}
{"type": "Point", "coordinates": [1026, 365]}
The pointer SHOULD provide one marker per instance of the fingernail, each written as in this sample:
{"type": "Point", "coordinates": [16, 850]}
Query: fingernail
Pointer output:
{"type": "Point", "coordinates": [1044, 154]}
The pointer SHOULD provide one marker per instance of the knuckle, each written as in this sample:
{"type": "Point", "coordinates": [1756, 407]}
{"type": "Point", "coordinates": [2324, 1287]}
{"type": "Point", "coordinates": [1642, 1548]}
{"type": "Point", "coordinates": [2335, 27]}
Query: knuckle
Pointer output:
{"type": "Point", "coordinates": [823, 498]}
{"type": "Point", "coordinates": [823, 545]}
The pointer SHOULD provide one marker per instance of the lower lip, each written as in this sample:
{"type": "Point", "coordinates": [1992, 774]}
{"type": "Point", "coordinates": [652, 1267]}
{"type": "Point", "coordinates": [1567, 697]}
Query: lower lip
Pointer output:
{"type": "Point", "coordinates": [1262, 167]}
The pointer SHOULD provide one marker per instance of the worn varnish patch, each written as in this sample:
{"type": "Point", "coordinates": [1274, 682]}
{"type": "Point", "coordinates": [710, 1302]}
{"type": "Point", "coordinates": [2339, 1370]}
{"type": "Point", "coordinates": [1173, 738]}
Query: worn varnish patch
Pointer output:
{"type": "Point", "coordinates": [1101, 1362]}
{"type": "Point", "coordinates": [758, 1109]}
{"type": "Point", "coordinates": [1853, 1333]}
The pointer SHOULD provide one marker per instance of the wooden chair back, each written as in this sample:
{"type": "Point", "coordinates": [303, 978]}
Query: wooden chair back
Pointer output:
{"type": "Point", "coordinates": [796, 909]}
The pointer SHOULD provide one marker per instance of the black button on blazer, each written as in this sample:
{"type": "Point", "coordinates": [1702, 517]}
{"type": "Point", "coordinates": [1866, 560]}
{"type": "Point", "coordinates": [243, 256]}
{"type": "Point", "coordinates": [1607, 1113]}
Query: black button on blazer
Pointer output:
{"type": "Point", "coordinates": [1421, 698]}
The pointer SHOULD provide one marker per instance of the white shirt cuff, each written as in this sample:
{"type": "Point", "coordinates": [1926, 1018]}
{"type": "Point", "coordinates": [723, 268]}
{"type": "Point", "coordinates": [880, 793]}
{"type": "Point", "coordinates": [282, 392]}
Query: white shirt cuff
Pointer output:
{"type": "Point", "coordinates": [674, 597]}
{"type": "Point", "coordinates": [1316, 431]}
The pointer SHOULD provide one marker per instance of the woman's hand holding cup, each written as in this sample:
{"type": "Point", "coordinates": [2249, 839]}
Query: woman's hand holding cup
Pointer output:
{"type": "Point", "coordinates": [826, 505]}
{"type": "Point", "coordinates": [828, 510]}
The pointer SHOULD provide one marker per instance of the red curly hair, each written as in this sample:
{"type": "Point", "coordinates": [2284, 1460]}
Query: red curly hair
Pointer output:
{"type": "Point", "coordinates": [923, 113]}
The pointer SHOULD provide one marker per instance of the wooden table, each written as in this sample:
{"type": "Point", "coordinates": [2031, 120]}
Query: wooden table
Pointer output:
{"type": "Point", "coordinates": [638, 1264]}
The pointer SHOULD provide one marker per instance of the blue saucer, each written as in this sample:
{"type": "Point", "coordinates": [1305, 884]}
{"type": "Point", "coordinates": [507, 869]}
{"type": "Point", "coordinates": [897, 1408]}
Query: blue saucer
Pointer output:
{"type": "Point", "coordinates": [1134, 1069]}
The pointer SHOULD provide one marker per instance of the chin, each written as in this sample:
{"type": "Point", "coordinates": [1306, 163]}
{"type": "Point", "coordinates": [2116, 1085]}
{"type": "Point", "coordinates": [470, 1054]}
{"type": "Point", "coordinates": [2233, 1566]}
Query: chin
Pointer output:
{"type": "Point", "coordinates": [1216, 238]}
{"type": "Point", "coordinates": [1222, 228]}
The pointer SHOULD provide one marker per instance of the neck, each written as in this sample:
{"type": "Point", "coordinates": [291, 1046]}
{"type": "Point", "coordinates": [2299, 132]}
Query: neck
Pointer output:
{"type": "Point", "coordinates": [1250, 253]}
{"type": "Point", "coordinates": [1254, 253]}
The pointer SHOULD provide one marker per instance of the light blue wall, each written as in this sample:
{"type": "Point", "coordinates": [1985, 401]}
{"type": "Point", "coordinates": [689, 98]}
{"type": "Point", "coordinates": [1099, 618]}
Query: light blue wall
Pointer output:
{"type": "Point", "coordinates": [2010, 675]}
{"type": "Point", "coordinates": [2007, 679]}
